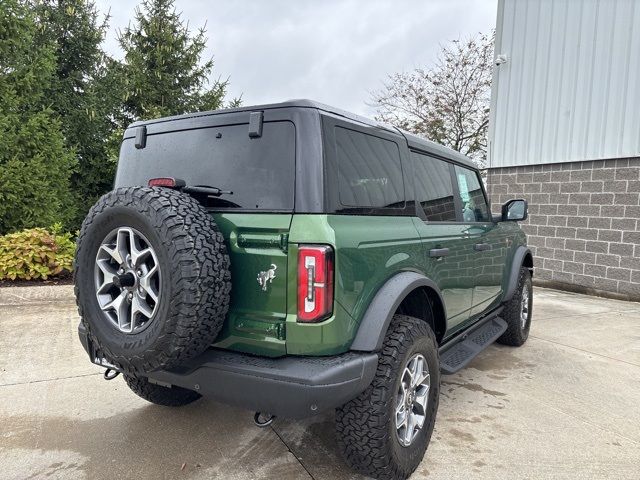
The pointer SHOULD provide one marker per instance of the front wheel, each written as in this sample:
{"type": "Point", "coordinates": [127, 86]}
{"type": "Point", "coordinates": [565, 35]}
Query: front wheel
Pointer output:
{"type": "Point", "coordinates": [517, 312]}
{"type": "Point", "coordinates": [385, 431]}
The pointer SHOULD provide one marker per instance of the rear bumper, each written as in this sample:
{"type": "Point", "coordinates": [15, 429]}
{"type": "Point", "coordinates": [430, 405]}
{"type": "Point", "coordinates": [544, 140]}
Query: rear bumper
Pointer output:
{"type": "Point", "coordinates": [292, 387]}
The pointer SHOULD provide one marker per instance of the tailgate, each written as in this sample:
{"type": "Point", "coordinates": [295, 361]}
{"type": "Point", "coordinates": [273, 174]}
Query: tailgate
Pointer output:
{"type": "Point", "coordinates": [257, 244]}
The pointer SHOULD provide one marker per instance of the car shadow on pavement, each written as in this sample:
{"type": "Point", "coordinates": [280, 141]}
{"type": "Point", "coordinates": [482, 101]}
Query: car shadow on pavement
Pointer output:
{"type": "Point", "coordinates": [202, 440]}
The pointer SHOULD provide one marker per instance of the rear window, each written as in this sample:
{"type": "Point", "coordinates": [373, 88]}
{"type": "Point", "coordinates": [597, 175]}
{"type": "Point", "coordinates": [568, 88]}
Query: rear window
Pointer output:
{"type": "Point", "coordinates": [370, 173]}
{"type": "Point", "coordinates": [259, 171]}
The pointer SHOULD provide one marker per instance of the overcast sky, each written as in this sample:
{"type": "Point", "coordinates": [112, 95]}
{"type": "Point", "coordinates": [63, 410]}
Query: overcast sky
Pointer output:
{"type": "Point", "coordinates": [333, 51]}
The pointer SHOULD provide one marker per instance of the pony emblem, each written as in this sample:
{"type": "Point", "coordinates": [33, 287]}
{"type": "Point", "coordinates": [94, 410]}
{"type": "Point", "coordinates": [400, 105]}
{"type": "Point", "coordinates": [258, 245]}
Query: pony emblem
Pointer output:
{"type": "Point", "coordinates": [268, 276]}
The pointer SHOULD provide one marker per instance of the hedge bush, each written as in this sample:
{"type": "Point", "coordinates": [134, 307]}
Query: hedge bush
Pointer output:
{"type": "Point", "coordinates": [36, 253]}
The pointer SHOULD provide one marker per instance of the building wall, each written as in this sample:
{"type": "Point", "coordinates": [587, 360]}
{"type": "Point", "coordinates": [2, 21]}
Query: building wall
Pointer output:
{"type": "Point", "coordinates": [564, 133]}
{"type": "Point", "coordinates": [569, 88]}
{"type": "Point", "coordinates": [584, 222]}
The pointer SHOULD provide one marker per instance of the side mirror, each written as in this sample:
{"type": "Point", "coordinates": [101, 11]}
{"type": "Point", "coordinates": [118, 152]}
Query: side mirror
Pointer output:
{"type": "Point", "coordinates": [514, 211]}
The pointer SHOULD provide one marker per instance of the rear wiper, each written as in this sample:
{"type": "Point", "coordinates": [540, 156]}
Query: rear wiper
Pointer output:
{"type": "Point", "coordinates": [206, 190]}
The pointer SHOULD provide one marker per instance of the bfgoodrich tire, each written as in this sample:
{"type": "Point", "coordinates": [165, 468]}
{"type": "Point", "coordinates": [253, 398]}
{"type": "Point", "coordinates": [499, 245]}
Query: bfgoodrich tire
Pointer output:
{"type": "Point", "coordinates": [371, 429]}
{"type": "Point", "coordinates": [152, 278]}
{"type": "Point", "coordinates": [518, 311]}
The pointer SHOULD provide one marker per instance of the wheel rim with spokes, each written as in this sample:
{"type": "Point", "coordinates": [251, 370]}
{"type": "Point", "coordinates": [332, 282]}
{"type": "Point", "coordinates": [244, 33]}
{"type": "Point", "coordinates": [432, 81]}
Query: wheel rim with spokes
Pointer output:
{"type": "Point", "coordinates": [524, 308]}
{"type": "Point", "coordinates": [412, 399]}
{"type": "Point", "coordinates": [127, 280]}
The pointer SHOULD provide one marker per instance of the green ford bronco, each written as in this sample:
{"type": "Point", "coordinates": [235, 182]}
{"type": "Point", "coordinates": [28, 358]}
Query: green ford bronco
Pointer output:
{"type": "Point", "coordinates": [295, 258]}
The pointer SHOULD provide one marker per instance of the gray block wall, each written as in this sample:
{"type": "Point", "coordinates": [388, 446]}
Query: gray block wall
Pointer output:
{"type": "Point", "coordinates": [584, 222]}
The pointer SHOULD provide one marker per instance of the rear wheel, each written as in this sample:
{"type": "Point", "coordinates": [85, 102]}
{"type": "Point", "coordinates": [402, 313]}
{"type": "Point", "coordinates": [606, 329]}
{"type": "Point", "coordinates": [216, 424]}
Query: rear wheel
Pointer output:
{"type": "Point", "coordinates": [165, 396]}
{"type": "Point", "coordinates": [517, 312]}
{"type": "Point", "coordinates": [385, 431]}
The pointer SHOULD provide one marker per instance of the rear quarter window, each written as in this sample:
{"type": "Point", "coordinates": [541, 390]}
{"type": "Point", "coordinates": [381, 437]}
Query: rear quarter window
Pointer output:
{"type": "Point", "coordinates": [259, 171]}
{"type": "Point", "coordinates": [369, 170]}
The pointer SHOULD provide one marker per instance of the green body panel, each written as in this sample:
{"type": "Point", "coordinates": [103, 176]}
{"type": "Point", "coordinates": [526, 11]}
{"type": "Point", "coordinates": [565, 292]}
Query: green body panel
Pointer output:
{"type": "Point", "coordinates": [513, 237]}
{"type": "Point", "coordinates": [489, 268]}
{"type": "Point", "coordinates": [256, 242]}
{"type": "Point", "coordinates": [453, 273]}
{"type": "Point", "coordinates": [369, 250]}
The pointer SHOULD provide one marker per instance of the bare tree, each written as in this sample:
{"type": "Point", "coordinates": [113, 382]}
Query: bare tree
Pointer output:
{"type": "Point", "coordinates": [447, 103]}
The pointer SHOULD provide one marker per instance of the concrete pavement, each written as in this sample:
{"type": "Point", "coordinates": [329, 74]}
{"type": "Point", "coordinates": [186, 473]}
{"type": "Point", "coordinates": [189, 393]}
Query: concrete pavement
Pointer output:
{"type": "Point", "coordinates": [564, 406]}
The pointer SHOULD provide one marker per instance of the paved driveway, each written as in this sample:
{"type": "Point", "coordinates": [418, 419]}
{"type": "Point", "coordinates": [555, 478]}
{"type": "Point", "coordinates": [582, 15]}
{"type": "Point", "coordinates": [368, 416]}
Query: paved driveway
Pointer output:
{"type": "Point", "coordinates": [566, 405]}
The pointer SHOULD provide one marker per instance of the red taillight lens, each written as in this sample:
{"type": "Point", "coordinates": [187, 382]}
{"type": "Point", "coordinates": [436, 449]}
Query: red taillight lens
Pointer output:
{"type": "Point", "coordinates": [168, 182]}
{"type": "Point", "coordinates": [162, 182]}
{"type": "Point", "coordinates": [315, 283]}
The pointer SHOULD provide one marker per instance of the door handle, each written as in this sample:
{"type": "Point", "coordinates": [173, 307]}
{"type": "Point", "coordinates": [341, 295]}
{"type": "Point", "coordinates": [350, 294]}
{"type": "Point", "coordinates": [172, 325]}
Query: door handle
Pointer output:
{"type": "Point", "coordinates": [438, 252]}
{"type": "Point", "coordinates": [481, 247]}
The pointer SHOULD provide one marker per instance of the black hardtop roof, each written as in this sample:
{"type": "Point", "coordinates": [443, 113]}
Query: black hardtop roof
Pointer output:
{"type": "Point", "coordinates": [414, 141]}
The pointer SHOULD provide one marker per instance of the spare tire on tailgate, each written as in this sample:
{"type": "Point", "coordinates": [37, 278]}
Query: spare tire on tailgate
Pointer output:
{"type": "Point", "coordinates": [152, 278]}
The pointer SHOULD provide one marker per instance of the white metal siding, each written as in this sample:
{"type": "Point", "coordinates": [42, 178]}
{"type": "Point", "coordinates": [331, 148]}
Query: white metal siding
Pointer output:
{"type": "Point", "coordinates": [570, 89]}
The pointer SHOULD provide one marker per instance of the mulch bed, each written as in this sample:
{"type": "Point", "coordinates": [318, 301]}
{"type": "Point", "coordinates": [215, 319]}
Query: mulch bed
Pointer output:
{"type": "Point", "coordinates": [64, 279]}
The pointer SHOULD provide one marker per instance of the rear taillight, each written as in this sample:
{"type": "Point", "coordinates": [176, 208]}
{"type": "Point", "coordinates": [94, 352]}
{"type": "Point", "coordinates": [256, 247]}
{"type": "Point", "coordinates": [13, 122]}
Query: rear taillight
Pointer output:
{"type": "Point", "coordinates": [315, 283]}
{"type": "Point", "coordinates": [168, 182]}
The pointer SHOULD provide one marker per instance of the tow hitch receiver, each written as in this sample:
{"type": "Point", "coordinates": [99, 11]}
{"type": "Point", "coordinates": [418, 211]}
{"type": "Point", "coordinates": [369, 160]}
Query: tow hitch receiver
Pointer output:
{"type": "Point", "coordinates": [110, 374]}
{"type": "Point", "coordinates": [263, 420]}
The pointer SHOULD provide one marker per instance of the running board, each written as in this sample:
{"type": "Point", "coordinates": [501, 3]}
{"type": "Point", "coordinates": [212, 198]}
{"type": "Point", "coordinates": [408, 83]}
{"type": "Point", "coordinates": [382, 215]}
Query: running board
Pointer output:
{"type": "Point", "coordinates": [458, 352]}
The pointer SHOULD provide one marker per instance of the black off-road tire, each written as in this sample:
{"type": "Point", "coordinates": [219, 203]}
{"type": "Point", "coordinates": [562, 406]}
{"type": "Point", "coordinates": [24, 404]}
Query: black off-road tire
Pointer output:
{"type": "Point", "coordinates": [195, 281]}
{"type": "Point", "coordinates": [516, 334]}
{"type": "Point", "coordinates": [165, 396]}
{"type": "Point", "coordinates": [366, 426]}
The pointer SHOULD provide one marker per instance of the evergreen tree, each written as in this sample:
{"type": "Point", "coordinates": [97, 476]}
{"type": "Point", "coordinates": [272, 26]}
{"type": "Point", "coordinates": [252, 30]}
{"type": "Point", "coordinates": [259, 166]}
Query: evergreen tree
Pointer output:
{"type": "Point", "coordinates": [35, 165]}
{"type": "Point", "coordinates": [162, 71]}
{"type": "Point", "coordinates": [84, 92]}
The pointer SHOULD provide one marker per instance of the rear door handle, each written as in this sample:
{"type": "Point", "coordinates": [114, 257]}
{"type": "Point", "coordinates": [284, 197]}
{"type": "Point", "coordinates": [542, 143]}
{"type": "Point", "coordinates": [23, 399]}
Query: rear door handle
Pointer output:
{"type": "Point", "coordinates": [481, 247]}
{"type": "Point", "coordinates": [438, 252]}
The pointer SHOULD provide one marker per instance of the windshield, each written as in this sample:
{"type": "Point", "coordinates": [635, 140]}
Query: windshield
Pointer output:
{"type": "Point", "coordinates": [259, 171]}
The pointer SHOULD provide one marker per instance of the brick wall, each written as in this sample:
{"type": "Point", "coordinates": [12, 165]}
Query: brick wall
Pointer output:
{"type": "Point", "coordinates": [584, 222]}
{"type": "Point", "coordinates": [441, 209]}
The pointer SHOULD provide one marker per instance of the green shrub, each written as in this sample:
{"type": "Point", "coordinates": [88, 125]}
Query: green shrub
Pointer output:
{"type": "Point", "coordinates": [35, 163]}
{"type": "Point", "coordinates": [36, 253]}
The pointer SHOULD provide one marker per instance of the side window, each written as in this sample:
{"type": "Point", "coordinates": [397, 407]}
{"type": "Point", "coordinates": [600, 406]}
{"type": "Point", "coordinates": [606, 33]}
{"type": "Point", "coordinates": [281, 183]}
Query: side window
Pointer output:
{"type": "Point", "coordinates": [433, 188]}
{"type": "Point", "coordinates": [474, 204]}
{"type": "Point", "coordinates": [370, 172]}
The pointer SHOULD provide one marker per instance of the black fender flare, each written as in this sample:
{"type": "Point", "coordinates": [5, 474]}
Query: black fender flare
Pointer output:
{"type": "Point", "coordinates": [376, 320]}
{"type": "Point", "coordinates": [517, 262]}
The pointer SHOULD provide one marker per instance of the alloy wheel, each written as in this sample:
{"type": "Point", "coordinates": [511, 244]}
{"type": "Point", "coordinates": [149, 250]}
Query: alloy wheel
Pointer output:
{"type": "Point", "coordinates": [412, 399]}
{"type": "Point", "coordinates": [524, 308]}
{"type": "Point", "coordinates": [127, 280]}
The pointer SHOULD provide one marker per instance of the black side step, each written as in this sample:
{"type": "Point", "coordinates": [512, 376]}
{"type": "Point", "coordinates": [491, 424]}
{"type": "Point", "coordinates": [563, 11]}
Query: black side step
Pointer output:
{"type": "Point", "coordinates": [457, 353]}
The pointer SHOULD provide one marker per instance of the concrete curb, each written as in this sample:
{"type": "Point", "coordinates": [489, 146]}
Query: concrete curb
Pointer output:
{"type": "Point", "coordinates": [64, 293]}
{"type": "Point", "coordinates": [581, 290]}
{"type": "Point", "coordinates": [36, 294]}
